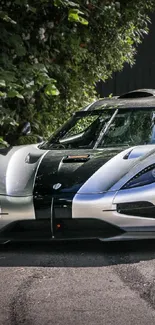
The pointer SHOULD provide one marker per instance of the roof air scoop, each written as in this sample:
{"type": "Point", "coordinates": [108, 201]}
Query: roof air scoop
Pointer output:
{"type": "Point", "coordinates": [140, 93]}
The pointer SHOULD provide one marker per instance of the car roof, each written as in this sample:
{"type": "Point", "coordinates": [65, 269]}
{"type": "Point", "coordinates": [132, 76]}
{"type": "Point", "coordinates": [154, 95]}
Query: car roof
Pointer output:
{"type": "Point", "coordinates": [141, 98]}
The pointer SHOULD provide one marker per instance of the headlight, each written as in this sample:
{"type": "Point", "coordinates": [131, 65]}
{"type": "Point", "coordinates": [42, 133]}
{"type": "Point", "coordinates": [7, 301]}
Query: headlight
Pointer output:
{"type": "Point", "coordinates": [144, 177]}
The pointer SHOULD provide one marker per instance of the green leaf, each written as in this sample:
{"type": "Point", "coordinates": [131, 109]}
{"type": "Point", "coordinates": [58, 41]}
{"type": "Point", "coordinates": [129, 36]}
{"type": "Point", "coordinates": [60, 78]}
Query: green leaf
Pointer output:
{"type": "Point", "coordinates": [32, 9]}
{"type": "Point", "coordinates": [2, 94]}
{"type": "Point", "coordinates": [72, 4]}
{"type": "Point", "coordinates": [2, 142]}
{"type": "Point", "coordinates": [4, 16]}
{"type": "Point", "coordinates": [19, 96]}
{"type": "Point", "coordinates": [73, 15]}
{"type": "Point", "coordinates": [8, 76]}
{"type": "Point", "coordinates": [2, 83]}
{"type": "Point", "coordinates": [83, 21]}
{"type": "Point", "coordinates": [57, 3]}
{"type": "Point", "coordinates": [76, 12]}
{"type": "Point", "coordinates": [65, 3]}
{"type": "Point", "coordinates": [51, 90]}
{"type": "Point", "coordinates": [14, 93]}
{"type": "Point", "coordinates": [16, 42]}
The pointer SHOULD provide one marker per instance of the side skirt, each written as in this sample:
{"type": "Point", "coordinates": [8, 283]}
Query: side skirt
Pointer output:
{"type": "Point", "coordinates": [66, 229]}
{"type": "Point", "coordinates": [79, 229]}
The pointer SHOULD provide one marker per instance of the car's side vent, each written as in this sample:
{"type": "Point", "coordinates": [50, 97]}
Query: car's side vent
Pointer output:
{"type": "Point", "coordinates": [140, 93]}
{"type": "Point", "coordinates": [141, 209]}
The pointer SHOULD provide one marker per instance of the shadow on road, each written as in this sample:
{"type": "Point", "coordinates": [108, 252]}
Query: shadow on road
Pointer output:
{"type": "Point", "coordinates": [76, 254]}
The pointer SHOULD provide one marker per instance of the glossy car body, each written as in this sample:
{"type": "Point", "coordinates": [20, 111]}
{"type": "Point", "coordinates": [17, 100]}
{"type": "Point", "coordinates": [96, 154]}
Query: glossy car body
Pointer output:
{"type": "Point", "coordinates": [95, 178]}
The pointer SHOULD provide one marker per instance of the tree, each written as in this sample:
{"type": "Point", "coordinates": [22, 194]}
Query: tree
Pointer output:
{"type": "Point", "coordinates": [54, 52]}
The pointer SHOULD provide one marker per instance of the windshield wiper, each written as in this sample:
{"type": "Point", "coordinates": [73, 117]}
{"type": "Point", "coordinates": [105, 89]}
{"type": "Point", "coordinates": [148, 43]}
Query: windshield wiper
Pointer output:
{"type": "Point", "coordinates": [105, 129]}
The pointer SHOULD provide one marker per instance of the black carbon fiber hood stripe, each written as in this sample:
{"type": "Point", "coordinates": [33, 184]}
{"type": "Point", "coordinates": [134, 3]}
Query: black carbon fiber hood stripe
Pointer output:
{"type": "Point", "coordinates": [71, 175]}
{"type": "Point", "coordinates": [68, 176]}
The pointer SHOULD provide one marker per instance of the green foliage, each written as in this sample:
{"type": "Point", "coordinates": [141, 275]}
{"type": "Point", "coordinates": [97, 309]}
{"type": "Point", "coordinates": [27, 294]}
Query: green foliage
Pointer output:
{"type": "Point", "coordinates": [54, 52]}
{"type": "Point", "coordinates": [75, 16]}
{"type": "Point", "coordinates": [22, 140]}
{"type": "Point", "coordinates": [3, 143]}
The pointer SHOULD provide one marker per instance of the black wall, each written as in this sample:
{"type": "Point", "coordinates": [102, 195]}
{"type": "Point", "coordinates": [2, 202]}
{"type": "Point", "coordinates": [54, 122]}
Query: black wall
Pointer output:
{"type": "Point", "coordinates": [141, 75]}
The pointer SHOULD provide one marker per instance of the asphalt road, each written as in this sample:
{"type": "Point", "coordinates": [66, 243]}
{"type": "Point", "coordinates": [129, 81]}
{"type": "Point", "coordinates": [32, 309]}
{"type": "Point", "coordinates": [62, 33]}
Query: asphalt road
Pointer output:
{"type": "Point", "coordinates": [77, 283]}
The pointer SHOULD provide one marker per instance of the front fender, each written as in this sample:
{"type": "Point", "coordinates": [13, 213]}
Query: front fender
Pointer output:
{"type": "Point", "coordinates": [17, 170]}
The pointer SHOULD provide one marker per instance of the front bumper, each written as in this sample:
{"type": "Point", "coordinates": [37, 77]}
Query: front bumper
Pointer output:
{"type": "Point", "coordinates": [15, 208]}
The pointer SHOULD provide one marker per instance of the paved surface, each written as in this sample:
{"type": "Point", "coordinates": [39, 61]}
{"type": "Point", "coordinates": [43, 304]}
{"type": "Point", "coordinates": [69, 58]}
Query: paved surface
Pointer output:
{"type": "Point", "coordinates": [77, 284]}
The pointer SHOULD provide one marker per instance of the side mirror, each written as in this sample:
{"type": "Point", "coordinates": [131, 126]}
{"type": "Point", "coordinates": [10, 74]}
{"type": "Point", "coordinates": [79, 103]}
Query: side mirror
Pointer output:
{"type": "Point", "coordinates": [25, 129]}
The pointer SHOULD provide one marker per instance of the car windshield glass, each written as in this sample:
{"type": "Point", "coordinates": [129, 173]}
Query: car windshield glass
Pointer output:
{"type": "Point", "coordinates": [106, 128]}
{"type": "Point", "coordinates": [81, 131]}
{"type": "Point", "coordinates": [133, 127]}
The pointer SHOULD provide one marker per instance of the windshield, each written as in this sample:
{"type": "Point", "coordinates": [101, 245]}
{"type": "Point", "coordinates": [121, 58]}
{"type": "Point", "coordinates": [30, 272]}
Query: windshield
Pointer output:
{"type": "Point", "coordinates": [106, 128]}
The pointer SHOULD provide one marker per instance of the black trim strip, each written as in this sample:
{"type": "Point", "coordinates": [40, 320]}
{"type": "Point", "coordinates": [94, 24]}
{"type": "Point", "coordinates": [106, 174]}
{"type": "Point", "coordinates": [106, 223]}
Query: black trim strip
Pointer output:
{"type": "Point", "coordinates": [52, 217]}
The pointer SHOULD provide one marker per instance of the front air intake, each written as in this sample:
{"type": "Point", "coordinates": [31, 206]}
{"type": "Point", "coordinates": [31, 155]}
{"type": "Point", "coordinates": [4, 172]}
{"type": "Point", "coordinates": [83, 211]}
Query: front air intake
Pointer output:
{"type": "Point", "coordinates": [141, 209]}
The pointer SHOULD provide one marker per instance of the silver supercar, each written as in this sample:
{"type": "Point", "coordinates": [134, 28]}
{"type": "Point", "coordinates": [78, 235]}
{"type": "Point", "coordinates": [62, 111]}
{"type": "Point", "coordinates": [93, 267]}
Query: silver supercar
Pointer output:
{"type": "Point", "coordinates": [94, 178]}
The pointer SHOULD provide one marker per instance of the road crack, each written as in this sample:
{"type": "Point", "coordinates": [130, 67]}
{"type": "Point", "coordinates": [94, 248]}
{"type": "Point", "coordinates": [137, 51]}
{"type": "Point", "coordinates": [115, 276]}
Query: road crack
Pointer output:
{"type": "Point", "coordinates": [19, 302]}
{"type": "Point", "coordinates": [136, 281]}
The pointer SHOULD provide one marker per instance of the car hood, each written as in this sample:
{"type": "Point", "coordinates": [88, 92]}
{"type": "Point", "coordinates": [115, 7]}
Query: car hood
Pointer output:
{"type": "Point", "coordinates": [59, 173]}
